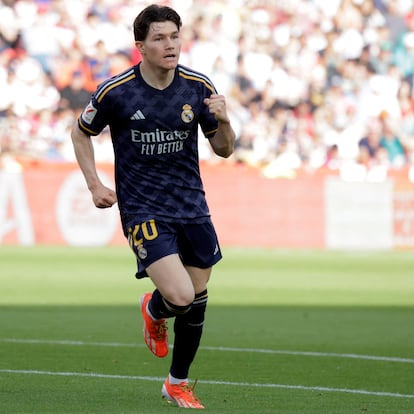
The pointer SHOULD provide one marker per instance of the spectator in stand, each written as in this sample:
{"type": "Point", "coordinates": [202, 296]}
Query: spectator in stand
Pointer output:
{"type": "Point", "coordinates": [69, 63]}
{"type": "Point", "coordinates": [9, 27]}
{"type": "Point", "coordinates": [391, 141]}
{"type": "Point", "coordinates": [75, 96]}
{"type": "Point", "coordinates": [303, 112]}
{"type": "Point", "coordinates": [243, 89]}
{"type": "Point", "coordinates": [370, 144]}
{"type": "Point", "coordinates": [332, 160]}
{"type": "Point", "coordinates": [100, 64]}
{"type": "Point", "coordinates": [406, 102]}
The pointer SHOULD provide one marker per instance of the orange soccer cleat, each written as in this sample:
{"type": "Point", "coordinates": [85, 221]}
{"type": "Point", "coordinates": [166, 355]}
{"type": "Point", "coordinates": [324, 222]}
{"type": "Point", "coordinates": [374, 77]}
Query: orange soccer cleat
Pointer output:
{"type": "Point", "coordinates": [181, 395]}
{"type": "Point", "coordinates": [155, 331]}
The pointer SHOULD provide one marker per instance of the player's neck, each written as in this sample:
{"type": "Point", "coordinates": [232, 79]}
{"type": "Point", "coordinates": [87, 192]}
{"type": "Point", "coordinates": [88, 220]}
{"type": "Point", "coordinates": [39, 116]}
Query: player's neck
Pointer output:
{"type": "Point", "coordinates": [155, 77]}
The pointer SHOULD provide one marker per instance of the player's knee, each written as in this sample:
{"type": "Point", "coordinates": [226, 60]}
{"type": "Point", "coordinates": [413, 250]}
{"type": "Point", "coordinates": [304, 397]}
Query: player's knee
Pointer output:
{"type": "Point", "coordinates": [182, 297]}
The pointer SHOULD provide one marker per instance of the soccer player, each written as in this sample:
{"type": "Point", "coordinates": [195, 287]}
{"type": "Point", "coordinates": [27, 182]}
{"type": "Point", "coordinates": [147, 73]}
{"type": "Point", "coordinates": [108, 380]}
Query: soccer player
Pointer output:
{"type": "Point", "coordinates": [154, 110]}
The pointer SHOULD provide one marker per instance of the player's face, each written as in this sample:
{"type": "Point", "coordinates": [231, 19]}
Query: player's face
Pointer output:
{"type": "Point", "coordinates": [162, 46]}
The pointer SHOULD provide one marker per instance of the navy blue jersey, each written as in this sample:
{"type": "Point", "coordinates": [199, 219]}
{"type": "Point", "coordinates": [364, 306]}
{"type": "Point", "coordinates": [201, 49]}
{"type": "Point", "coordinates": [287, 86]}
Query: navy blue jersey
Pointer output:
{"type": "Point", "coordinates": [154, 135]}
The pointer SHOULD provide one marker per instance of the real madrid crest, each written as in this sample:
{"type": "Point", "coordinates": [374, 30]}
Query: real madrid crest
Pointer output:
{"type": "Point", "coordinates": [187, 115]}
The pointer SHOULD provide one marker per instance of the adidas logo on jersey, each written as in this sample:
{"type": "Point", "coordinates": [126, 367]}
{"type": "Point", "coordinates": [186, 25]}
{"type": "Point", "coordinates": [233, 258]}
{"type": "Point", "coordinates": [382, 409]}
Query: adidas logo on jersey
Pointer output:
{"type": "Point", "coordinates": [137, 116]}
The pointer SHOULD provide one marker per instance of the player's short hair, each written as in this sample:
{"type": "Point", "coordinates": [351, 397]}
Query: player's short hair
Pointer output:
{"type": "Point", "coordinates": [151, 14]}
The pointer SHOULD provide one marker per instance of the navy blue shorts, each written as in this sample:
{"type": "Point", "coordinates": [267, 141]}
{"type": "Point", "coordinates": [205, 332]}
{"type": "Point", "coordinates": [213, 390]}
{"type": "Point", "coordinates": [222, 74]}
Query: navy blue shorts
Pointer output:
{"type": "Point", "coordinates": [196, 244]}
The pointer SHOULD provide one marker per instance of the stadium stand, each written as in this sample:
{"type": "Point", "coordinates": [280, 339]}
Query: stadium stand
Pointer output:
{"type": "Point", "coordinates": [307, 81]}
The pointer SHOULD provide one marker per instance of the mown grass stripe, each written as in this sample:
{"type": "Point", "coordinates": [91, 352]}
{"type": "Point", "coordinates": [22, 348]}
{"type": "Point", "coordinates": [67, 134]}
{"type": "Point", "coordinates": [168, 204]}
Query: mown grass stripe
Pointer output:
{"type": "Point", "coordinates": [225, 383]}
{"type": "Point", "coordinates": [217, 348]}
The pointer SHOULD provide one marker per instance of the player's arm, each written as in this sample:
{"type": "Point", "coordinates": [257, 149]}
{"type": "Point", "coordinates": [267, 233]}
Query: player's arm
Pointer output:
{"type": "Point", "coordinates": [223, 140]}
{"type": "Point", "coordinates": [102, 196]}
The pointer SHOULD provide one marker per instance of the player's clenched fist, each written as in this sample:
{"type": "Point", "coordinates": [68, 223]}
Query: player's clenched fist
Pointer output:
{"type": "Point", "coordinates": [217, 106]}
{"type": "Point", "coordinates": [104, 197]}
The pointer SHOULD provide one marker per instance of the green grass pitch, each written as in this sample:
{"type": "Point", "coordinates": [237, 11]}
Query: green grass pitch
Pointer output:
{"type": "Point", "coordinates": [287, 332]}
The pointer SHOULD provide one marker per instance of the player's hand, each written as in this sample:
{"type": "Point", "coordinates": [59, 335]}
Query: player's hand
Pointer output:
{"type": "Point", "coordinates": [217, 106]}
{"type": "Point", "coordinates": [103, 197]}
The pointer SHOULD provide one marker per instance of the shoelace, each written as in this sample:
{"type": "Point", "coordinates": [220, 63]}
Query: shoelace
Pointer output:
{"type": "Point", "coordinates": [187, 388]}
{"type": "Point", "coordinates": [160, 329]}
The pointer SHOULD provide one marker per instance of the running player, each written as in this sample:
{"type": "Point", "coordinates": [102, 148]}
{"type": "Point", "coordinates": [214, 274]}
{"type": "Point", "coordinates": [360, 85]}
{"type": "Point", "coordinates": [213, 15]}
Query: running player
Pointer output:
{"type": "Point", "coordinates": [154, 111]}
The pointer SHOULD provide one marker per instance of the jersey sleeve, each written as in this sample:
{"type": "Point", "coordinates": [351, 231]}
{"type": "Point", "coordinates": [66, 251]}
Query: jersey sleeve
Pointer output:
{"type": "Point", "coordinates": [208, 122]}
{"type": "Point", "coordinates": [94, 117]}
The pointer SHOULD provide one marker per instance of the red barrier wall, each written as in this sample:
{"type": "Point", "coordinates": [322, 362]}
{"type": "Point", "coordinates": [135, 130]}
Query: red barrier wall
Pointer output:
{"type": "Point", "coordinates": [247, 208]}
{"type": "Point", "coordinates": [250, 210]}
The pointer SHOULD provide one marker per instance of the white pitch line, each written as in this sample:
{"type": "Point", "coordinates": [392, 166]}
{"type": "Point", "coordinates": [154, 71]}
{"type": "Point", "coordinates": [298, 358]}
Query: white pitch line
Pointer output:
{"type": "Point", "coordinates": [218, 348]}
{"type": "Point", "coordinates": [228, 383]}
{"type": "Point", "coordinates": [316, 354]}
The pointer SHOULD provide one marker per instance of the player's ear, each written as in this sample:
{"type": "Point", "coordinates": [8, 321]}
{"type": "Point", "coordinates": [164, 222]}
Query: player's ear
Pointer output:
{"type": "Point", "coordinates": [140, 46]}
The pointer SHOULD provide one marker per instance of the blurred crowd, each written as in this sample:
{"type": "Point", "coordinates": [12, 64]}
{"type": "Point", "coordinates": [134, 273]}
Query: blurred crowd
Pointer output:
{"type": "Point", "coordinates": [310, 83]}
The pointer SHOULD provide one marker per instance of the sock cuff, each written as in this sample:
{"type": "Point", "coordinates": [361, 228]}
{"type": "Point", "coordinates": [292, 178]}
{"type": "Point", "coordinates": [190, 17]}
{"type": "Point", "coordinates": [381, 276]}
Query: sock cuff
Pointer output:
{"type": "Point", "coordinates": [201, 298]}
{"type": "Point", "coordinates": [175, 309]}
{"type": "Point", "coordinates": [161, 308]}
{"type": "Point", "coordinates": [175, 381]}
